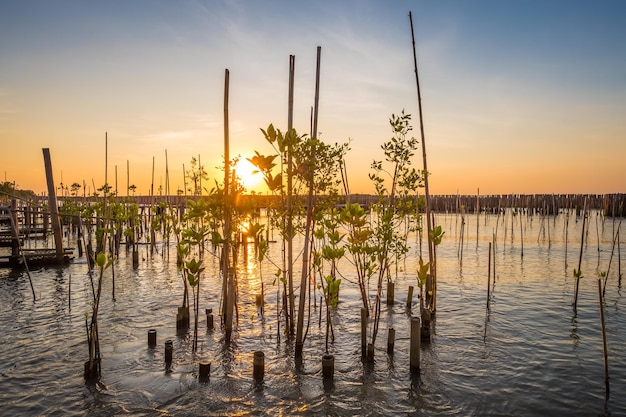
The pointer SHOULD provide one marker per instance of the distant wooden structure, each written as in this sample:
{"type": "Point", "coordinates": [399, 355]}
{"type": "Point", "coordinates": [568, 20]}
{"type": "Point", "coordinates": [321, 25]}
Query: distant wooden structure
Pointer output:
{"type": "Point", "coordinates": [13, 236]}
{"type": "Point", "coordinates": [612, 205]}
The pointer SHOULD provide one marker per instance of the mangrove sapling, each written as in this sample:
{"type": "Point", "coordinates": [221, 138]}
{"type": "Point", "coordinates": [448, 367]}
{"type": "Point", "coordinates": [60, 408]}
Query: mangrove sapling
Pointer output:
{"type": "Point", "coordinates": [319, 164]}
{"type": "Point", "coordinates": [92, 369]}
{"type": "Point", "coordinates": [132, 232]}
{"type": "Point", "coordinates": [422, 278]}
{"type": "Point", "coordinates": [193, 270]}
{"type": "Point", "coordinates": [279, 212]}
{"type": "Point", "coordinates": [393, 200]}
{"type": "Point", "coordinates": [360, 246]}
{"type": "Point", "coordinates": [325, 300]}
{"type": "Point", "coordinates": [182, 317]}
{"type": "Point", "coordinates": [284, 211]}
{"type": "Point", "coordinates": [192, 240]}
{"type": "Point", "coordinates": [436, 236]}
{"type": "Point", "coordinates": [331, 251]}
{"type": "Point", "coordinates": [262, 247]}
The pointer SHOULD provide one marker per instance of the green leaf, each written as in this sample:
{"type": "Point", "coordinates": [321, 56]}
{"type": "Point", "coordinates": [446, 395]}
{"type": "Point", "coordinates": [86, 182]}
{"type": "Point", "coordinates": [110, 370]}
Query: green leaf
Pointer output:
{"type": "Point", "coordinates": [101, 259]}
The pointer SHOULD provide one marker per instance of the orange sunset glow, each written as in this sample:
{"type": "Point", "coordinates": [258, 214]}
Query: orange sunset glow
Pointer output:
{"type": "Point", "coordinates": [515, 100]}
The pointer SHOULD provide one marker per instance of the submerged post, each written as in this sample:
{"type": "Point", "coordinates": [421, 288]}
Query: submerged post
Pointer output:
{"type": "Point", "coordinates": [363, 331]}
{"type": "Point", "coordinates": [390, 293]}
{"type": "Point", "coordinates": [54, 208]}
{"type": "Point", "coordinates": [391, 339]}
{"type": "Point", "coordinates": [152, 338]}
{"type": "Point", "coordinates": [258, 365]}
{"type": "Point", "coordinates": [209, 318]}
{"type": "Point", "coordinates": [409, 298]}
{"type": "Point", "coordinates": [204, 370]}
{"type": "Point", "coordinates": [169, 352]}
{"type": "Point", "coordinates": [415, 345]}
{"type": "Point", "coordinates": [328, 366]}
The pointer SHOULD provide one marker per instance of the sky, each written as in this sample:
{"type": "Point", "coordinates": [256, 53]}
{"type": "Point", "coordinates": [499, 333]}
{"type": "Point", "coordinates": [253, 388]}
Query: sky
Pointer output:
{"type": "Point", "coordinates": [517, 97]}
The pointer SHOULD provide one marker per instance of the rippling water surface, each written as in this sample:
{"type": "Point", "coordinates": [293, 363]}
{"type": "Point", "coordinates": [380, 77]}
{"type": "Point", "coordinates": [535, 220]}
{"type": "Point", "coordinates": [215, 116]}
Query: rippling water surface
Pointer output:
{"type": "Point", "coordinates": [527, 355]}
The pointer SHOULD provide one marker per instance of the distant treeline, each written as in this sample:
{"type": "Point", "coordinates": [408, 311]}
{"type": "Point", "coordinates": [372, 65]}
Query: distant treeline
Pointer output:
{"type": "Point", "coordinates": [8, 190]}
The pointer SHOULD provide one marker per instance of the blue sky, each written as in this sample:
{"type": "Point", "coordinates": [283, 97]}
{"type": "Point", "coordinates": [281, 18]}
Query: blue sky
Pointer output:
{"type": "Point", "coordinates": [518, 97]}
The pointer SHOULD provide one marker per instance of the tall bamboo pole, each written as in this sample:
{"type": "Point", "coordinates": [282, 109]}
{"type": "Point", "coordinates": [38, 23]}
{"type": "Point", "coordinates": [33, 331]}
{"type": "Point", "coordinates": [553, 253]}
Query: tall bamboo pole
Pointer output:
{"type": "Point", "coordinates": [309, 216]}
{"type": "Point", "coordinates": [429, 225]}
{"type": "Point", "coordinates": [291, 295]}
{"type": "Point", "coordinates": [229, 286]}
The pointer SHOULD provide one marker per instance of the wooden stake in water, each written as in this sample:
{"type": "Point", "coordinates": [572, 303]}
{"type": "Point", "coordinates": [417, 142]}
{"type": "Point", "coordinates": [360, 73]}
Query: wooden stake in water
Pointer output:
{"type": "Point", "coordinates": [363, 331]}
{"type": "Point", "coordinates": [415, 344]}
{"type": "Point", "coordinates": [578, 273]}
{"type": "Point", "coordinates": [477, 214]}
{"type": "Point", "coordinates": [489, 277]}
{"type": "Point", "coordinates": [309, 222]}
{"type": "Point", "coordinates": [391, 339]}
{"type": "Point", "coordinates": [494, 259]}
{"type": "Point", "coordinates": [606, 359]}
{"type": "Point", "coordinates": [429, 225]}
{"type": "Point", "coordinates": [608, 269]}
{"type": "Point", "coordinates": [228, 283]}
{"type": "Point", "coordinates": [53, 206]}
{"type": "Point", "coordinates": [521, 234]}
{"type": "Point", "coordinates": [619, 262]}
{"type": "Point", "coordinates": [409, 298]}
{"type": "Point", "coordinates": [258, 365]}
{"type": "Point", "coordinates": [290, 311]}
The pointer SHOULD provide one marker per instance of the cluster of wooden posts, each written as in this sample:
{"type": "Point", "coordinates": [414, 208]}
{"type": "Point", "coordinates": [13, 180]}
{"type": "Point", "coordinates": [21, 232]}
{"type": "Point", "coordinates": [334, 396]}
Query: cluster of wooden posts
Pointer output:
{"type": "Point", "coordinates": [420, 331]}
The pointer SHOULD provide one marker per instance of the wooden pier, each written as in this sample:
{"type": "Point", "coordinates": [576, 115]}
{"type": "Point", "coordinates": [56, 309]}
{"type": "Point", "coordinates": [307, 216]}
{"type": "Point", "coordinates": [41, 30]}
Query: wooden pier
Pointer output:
{"type": "Point", "coordinates": [13, 236]}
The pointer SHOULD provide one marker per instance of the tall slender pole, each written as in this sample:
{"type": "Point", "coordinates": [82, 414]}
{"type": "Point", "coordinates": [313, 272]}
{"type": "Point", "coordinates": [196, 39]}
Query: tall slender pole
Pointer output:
{"type": "Point", "coordinates": [604, 347]}
{"type": "Point", "coordinates": [429, 225]}
{"type": "Point", "coordinates": [309, 216]}
{"type": "Point", "coordinates": [152, 183]}
{"type": "Point", "coordinates": [228, 283]}
{"type": "Point", "coordinates": [317, 92]}
{"type": "Point", "coordinates": [489, 277]}
{"type": "Point", "coordinates": [106, 165]}
{"type": "Point", "coordinates": [167, 179]}
{"type": "Point", "coordinates": [580, 256]}
{"type": "Point", "coordinates": [292, 69]}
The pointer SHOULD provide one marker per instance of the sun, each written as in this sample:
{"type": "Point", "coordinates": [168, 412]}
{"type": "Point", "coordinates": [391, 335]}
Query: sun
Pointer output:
{"type": "Point", "coordinates": [251, 179]}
